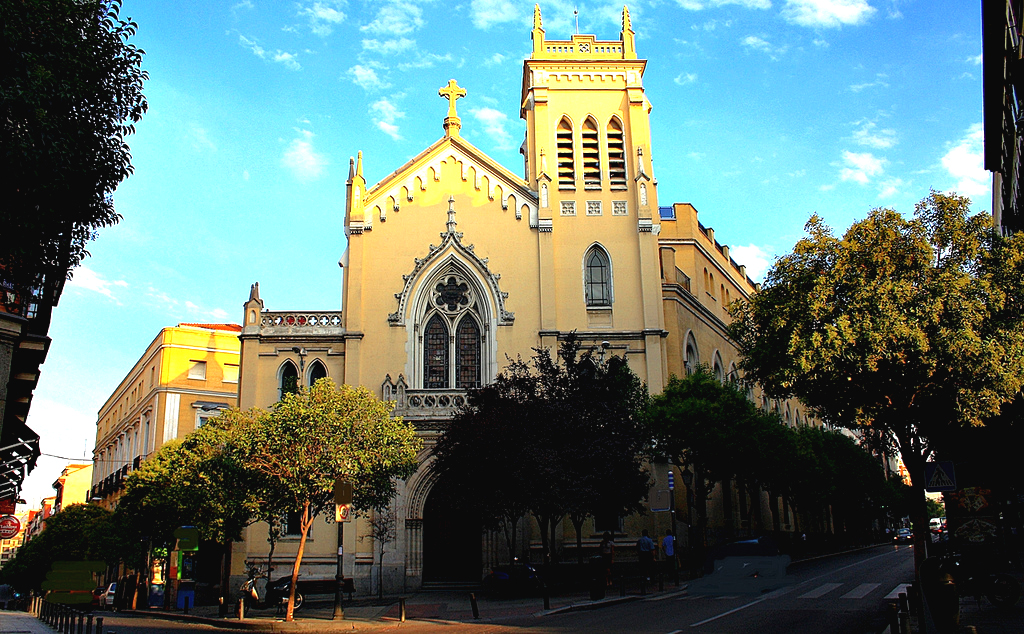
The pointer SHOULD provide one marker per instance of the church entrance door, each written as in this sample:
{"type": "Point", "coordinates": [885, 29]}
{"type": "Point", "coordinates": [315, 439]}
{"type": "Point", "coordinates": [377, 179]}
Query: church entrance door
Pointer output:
{"type": "Point", "coordinates": [452, 541]}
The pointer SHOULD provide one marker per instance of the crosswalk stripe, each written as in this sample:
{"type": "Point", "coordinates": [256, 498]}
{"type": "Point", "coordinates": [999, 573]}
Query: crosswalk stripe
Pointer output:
{"type": "Point", "coordinates": [860, 591]}
{"type": "Point", "coordinates": [895, 594]}
{"type": "Point", "coordinates": [821, 590]}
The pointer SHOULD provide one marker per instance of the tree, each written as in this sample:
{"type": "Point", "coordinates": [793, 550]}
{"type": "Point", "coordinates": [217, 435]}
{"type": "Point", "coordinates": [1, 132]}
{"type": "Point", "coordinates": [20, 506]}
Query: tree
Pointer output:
{"type": "Point", "coordinates": [311, 439]}
{"type": "Point", "coordinates": [70, 94]}
{"type": "Point", "coordinates": [695, 423]}
{"type": "Point", "coordinates": [383, 530]}
{"type": "Point", "coordinates": [910, 328]}
{"type": "Point", "coordinates": [529, 442]}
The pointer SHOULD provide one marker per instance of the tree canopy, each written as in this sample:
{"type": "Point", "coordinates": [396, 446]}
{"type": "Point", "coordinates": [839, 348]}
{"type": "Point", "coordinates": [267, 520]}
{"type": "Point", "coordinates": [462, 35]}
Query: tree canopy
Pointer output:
{"type": "Point", "coordinates": [70, 94]}
{"type": "Point", "coordinates": [529, 442]}
{"type": "Point", "coordinates": [908, 327]}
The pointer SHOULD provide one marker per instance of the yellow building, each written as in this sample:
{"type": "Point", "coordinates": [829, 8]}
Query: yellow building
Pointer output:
{"type": "Point", "coordinates": [454, 263]}
{"type": "Point", "coordinates": [186, 375]}
{"type": "Point", "coordinates": [73, 486]}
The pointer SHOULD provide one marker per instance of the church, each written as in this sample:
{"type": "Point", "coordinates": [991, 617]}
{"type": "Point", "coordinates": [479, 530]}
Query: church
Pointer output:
{"type": "Point", "coordinates": [454, 263]}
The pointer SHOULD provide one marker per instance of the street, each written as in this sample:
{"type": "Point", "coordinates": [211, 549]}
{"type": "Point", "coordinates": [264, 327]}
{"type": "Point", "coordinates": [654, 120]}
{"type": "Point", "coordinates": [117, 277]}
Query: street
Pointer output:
{"type": "Point", "coordinates": [844, 594]}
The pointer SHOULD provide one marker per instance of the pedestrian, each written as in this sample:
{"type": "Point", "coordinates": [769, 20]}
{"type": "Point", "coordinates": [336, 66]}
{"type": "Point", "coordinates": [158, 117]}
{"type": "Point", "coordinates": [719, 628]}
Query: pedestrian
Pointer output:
{"type": "Point", "coordinates": [6, 596]}
{"type": "Point", "coordinates": [668, 546]}
{"type": "Point", "coordinates": [645, 553]}
{"type": "Point", "coordinates": [607, 556]}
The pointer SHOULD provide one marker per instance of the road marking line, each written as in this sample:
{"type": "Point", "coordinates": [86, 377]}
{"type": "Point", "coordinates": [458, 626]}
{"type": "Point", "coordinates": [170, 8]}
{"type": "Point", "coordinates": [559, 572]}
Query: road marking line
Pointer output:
{"type": "Point", "coordinates": [821, 590]}
{"type": "Point", "coordinates": [676, 632]}
{"type": "Point", "coordinates": [860, 591]}
{"type": "Point", "coordinates": [742, 607]}
{"type": "Point", "coordinates": [895, 594]}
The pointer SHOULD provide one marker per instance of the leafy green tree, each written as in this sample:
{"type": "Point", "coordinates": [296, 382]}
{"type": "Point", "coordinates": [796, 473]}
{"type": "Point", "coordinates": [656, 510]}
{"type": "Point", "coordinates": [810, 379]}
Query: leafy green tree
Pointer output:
{"type": "Point", "coordinates": [312, 438]}
{"type": "Point", "coordinates": [910, 327]}
{"type": "Point", "coordinates": [693, 423]}
{"type": "Point", "coordinates": [70, 94]}
{"type": "Point", "coordinates": [529, 443]}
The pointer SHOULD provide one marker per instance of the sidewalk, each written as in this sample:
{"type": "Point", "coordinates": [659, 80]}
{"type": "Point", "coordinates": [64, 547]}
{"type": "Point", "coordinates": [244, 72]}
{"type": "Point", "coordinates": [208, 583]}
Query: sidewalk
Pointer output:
{"type": "Point", "coordinates": [22, 622]}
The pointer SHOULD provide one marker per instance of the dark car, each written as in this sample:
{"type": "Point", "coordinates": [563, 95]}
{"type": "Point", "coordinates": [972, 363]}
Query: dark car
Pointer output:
{"type": "Point", "coordinates": [903, 536]}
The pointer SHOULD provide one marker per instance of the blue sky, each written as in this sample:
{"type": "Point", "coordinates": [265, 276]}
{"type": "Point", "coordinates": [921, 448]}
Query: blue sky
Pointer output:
{"type": "Point", "coordinates": [765, 111]}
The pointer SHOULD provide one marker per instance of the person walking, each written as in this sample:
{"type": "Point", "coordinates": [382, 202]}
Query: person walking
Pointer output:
{"type": "Point", "coordinates": [607, 557]}
{"type": "Point", "coordinates": [668, 546]}
{"type": "Point", "coordinates": [645, 548]}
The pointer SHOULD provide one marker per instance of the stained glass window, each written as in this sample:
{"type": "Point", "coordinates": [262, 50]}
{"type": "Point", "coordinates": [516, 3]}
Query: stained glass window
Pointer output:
{"type": "Point", "coordinates": [435, 354]}
{"type": "Point", "coordinates": [598, 278]}
{"type": "Point", "coordinates": [289, 379]}
{"type": "Point", "coordinates": [467, 340]}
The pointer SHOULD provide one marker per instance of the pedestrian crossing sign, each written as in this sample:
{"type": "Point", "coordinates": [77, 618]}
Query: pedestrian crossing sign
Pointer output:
{"type": "Point", "coordinates": [939, 476]}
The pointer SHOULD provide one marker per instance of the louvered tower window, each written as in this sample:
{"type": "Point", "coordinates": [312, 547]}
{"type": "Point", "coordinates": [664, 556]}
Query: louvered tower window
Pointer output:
{"type": "Point", "coordinates": [616, 155]}
{"type": "Point", "coordinates": [591, 156]}
{"type": "Point", "coordinates": [566, 165]}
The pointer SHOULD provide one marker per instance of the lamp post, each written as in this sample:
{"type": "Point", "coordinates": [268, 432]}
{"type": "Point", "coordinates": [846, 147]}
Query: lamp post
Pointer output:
{"type": "Point", "coordinates": [687, 476]}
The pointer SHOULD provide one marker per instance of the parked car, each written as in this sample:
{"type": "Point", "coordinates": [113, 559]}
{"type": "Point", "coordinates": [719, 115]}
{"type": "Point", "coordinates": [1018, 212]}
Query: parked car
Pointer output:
{"type": "Point", "coordinates": [107, 598]}
{"type": "Point", "coordinates": [903, 536]}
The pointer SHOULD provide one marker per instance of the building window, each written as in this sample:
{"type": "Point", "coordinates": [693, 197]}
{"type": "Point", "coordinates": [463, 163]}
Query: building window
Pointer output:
{"type": "Point", "coordinates": [616, 155]}
{"type": "Point", "coordinates": [566, 160]}
{"type": "Point", "coordinates": [230, 373]}
{"type": "Point", "coordinates": [568, 207]}
{"type": "Point", "coordinates": [593, 207]}
{"type": "Point", "coordinates": [691, 359]}
{"type": "Point", "coordinates": [598, 277]}
{"type": "Point", "coordinates": [591, 156]}
{"type": "Point", "coordinates": [467, 340]}
{"type": "Point", "coordinates": [291, 525]}
{"type": "Point", "coordinates": [197, 370]}
{"type": "Point", "coordinates": [317, 371]}
{"type": "Point", "coordinates": [289, 379]}
{"type": "Point", "coordinates": [619, 208]}
{"type": "Point", "coordinates": [435, 353]}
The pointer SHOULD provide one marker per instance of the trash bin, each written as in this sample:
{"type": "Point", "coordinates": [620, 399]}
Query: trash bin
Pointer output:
{"type": "Point", "coordinates": [597, 578]}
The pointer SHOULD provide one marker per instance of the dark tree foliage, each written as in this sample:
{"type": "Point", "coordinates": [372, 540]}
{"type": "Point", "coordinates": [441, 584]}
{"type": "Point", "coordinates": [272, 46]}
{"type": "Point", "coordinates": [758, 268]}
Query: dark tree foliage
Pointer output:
{"type": "Point", "coordinates": [70, 94]}
{"type": "Point", "coordinates": [554, 438]}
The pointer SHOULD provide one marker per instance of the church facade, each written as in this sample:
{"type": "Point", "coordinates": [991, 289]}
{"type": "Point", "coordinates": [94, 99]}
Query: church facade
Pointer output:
{"type": "Point", "coordinates": [454, 263]}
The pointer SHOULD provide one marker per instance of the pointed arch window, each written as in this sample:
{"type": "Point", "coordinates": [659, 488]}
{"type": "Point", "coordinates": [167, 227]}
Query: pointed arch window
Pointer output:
{"type": "Point", "coordinates": [591, 156]}
{"type": "Point", "coordinates": [598, 277]}
{"type": "Point", "coordinates": [566, 159]}
{"type": "Point", "coordinates": [616, 155]}
{"type": "Point", "coordinates": [692, 359]}
{"type": "Point", "coordinates": [289, 383]}
{"type": "Point", "coordinates": [467, 350]}
{"type": "Point", "coordinates": [317, 371]}
{"type": "Point", "coordinates": [435, 353]}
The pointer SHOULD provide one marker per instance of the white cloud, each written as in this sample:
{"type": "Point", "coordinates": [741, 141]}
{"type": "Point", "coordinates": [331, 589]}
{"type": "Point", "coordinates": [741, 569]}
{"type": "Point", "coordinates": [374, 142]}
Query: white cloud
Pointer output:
{"type": "Point", "coordinates": [868, 135]}
{"type": "Point", "coordinates": [366, 78]}
{"type": "Point", "coordinates": [757, 259]}
{"type": "Point", "coordinates": [494, 125]}
{"type": "Point", "coordinates": [965, 163]}
{"type": "Point", "coordinates": [290, 60]}
{"type": "Point", "coordinates": [861, 166]}
{"type": "Point", "coordinates": [827, 13]}
{"type": "Point", "coordinates": [87, 279]}
{"type": "Point", "coordinates": [697, 5]}
{"type": "Point", "coordinates": [389, 47]}
{"type": "Point", "coordinates": [890, 187]}
{"type": "Point", "coordinates": [879, 81]}
{"type": "Point", "coordinates": [487, 13]}
{"type": "Point", "coordinates": [200, 140]}
{"type": "Point", "coordinates": [754, 43]}
{"type": "Point", "coordinates": [975, 59]}
{"type": "Point", "coordinates": [305, 163]}
{"type": "Point", "coordinates": [244, 4]}
{"type": "Point", "coordinates": [494, 60]}
{"type": "Point", "coordinates": [685, 78]}
{"type": "Point", "coordinates": [323, 16]}
{"type": "Point", "coordinates": [385, 114]}
{"type": "Point", "coordinates": [820, 42]}
{"type": "Point", "coordinates": [426, 61]}
{"type": "Point", "coordinates": [395, 18]}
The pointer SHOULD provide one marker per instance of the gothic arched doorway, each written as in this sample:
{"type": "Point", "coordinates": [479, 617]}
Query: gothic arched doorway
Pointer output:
{"type": "Point", "coordinates": [452, 539]}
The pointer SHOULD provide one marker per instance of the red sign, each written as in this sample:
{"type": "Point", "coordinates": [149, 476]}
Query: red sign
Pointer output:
{"type": "Point", "coordinates": [8, 506]}
{"type": "Point", "coordinates": [9, 527]}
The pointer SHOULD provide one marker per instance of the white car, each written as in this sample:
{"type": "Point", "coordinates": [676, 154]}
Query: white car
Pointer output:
{"type": "Point", "coordinates": [107, 598]}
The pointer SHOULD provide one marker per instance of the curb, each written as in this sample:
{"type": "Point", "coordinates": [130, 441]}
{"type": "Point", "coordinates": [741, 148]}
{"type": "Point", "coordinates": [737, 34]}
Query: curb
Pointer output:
{"type": "Point", "coordinates": [259, 625]}
{"type": "Point", "coordinates": [588, 605]}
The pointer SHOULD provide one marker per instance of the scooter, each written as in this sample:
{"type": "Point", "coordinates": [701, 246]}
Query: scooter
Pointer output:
{"type": "Point", "coordinates": [274, 594]}
{"type": "Point", "coordinates": [974, 579]}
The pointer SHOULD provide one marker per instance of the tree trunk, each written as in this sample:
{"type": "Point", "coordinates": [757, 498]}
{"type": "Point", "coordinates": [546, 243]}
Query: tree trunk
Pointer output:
{"type": "Point", "coordinates": [773, 506]}
{"type": "Point", "coordinates": [577, 524]}
{"type": "Point", "coordinates": [225, 579]}
{"type": "Point", "coordinates": [727, 507]}
{"type": "Point", "coordinates": [510, 530]}
{"type": "Point", "coordinates": [305, 523]}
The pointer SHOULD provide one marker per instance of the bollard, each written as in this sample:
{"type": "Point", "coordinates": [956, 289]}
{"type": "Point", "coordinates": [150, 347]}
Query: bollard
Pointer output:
{"type": "Point", "coordinates": [81, 623]}
{"type": "Point", "coordinates": [185, 604]}
{"type": "Point", "coordinates": [912, 604]}
{"type": "Point", "coordinates": [904, 623]}
{"type": "Point", "coordinates": [401, 610]}
{"type": "Point", "coordinates": [99, 625]}
{"type": "Point", "coordinates": [904, 603]}
{"type": "Point", "coordinates": [472, 602]}
{"type": "Point", "coordinates": [894, 618]}
{"type": "Point", "coordinates": [241, 608]}
{"type": "Point", "coordinates": [622, 586]}
{"type": "Point", "coordinates": [88, 625]}
{"type": "Point", "coordinates": [222, 608]}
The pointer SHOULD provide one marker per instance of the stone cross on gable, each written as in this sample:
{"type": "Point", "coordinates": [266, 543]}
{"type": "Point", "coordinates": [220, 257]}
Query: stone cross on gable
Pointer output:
{"type": "Point", "coordinates": [452, 92]}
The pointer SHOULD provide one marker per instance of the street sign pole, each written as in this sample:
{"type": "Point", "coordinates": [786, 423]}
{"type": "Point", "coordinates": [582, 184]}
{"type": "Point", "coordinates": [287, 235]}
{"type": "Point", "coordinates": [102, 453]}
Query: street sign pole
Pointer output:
{"type": "Point", "coordinates": [342, 497]}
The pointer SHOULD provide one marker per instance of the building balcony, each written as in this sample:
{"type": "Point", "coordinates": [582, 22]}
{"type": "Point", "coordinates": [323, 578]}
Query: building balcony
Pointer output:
{"type": "Point", "coordinates": [422, 404]}
{"type": "Point", "coordinates": [299, 323]}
